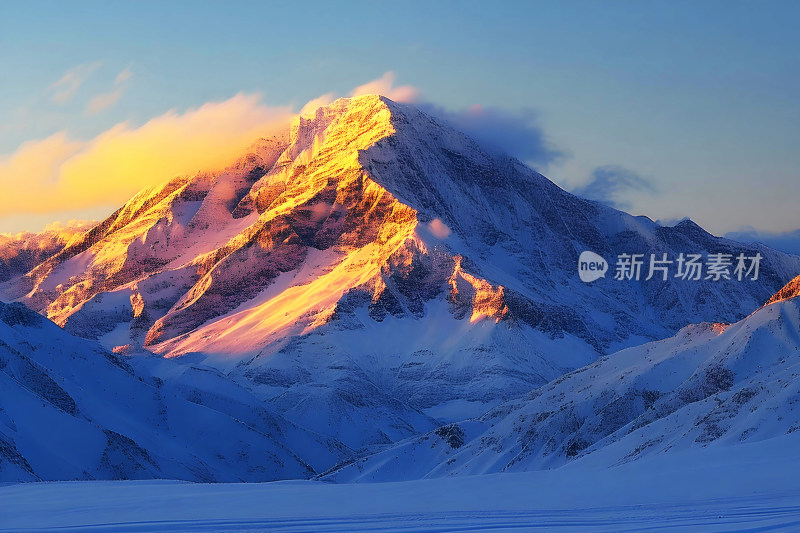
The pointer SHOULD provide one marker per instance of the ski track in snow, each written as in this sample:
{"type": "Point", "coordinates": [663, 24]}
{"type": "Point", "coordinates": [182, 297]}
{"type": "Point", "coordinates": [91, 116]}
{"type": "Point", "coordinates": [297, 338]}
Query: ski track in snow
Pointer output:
{"type": "Point", "coordinates": [776, 513]}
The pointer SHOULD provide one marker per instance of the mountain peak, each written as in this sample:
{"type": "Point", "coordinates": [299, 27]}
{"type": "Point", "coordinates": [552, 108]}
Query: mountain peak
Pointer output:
{"type": "Point", "coordinates": [343, 104]}
{"type": "Point", "coordinates": [365, 203]}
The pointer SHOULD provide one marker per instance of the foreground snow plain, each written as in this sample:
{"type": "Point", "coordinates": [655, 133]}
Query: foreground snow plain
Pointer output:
{"type": "Point", "coordinates": [749, 487]}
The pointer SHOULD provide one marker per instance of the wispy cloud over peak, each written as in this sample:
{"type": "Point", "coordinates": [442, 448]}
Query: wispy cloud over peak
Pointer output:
{"type": "Point", "coordinates": [315, 103]}
{"type": "Point", "coordinates": [102, 101]}
{"type": "Point", "coordinates": [518, 134]}
{"type": "Point", "coordinates": [67, 86]}
{"type": "Point", "coordinates": [45, 175]}
{"type": "Point", "coordinates": [124, 75]}
{"type": "Point", "coordinates": [385, 87]}
{"type": "Point", "coordinates": [613, 185]}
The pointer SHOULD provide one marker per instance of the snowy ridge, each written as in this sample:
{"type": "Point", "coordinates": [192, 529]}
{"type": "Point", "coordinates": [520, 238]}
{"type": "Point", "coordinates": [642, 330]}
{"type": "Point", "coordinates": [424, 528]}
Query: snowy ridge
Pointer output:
{"type": "Point", "coordinates": [71, 410]}
{"type": "Point", "coordinates": [710, 385]}
{"type": "Point", "coordinates": [21, 252]}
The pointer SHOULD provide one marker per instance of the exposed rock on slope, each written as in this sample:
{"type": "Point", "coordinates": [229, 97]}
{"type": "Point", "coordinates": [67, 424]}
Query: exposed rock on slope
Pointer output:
{"type": "Point", "coordinates": [791, 290]}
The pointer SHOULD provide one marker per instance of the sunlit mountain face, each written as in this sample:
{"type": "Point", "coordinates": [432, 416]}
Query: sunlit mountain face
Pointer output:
{"type": "Point", "coordinates": [354, 196]}
{"type": "Point", "coordinates": [370, 274]}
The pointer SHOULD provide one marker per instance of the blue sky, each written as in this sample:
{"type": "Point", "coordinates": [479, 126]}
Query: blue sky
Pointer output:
{"type": "Point", "coordinates": [695, 104]}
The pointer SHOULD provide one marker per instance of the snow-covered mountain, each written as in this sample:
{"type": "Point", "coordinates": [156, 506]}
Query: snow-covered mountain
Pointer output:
{"type": "Point", "coordinates": [71, 410]}
{"type": "Point", "coordinates": [373, 273]}
{"type": "Point", "coordinates": [21, 252]}
{"type": "Point", "coordinates": [710, 385]}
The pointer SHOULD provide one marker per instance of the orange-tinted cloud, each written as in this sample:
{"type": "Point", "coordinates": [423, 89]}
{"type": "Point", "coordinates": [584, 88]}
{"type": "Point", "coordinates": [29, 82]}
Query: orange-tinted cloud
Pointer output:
{"type": "Point", "coordinates": [103, 101]}
{"type": "Point", "coordinates": [318, 102]}
{"type": "Point", "coordinates": [34, 163]}
{"type": "Point", "coordinates": [63, 176]}
{"type": "Point", "coordinates": [385, 87]}
{"type": "Point", "coordinates": [439, 229]}
{"type": "Point", "coordinates": [59, 173]}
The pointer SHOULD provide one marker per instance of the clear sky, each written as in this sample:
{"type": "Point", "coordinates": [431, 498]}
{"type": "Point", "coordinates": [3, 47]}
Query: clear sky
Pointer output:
{"type": "Point", "coordinates": [668, 109]}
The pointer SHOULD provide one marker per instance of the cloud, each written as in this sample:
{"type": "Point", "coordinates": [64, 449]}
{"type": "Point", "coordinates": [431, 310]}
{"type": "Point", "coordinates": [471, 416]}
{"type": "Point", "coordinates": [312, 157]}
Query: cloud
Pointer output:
{"type": "Point", "coordinates": [672, 221]}
{"type": "Point", "coordinates": [788, 241]}
{"type": "Point", "coordinates": [103, 101]}
{"type": "Point", "coordinates": [59, 173]}
{"type": "Point", "coordinates": [385, 87]}
{"type": "Point", "coordinates": [123, 76]}
{"type": "Point", "coordinates": [35, 161]}
{"type": "Point", "coordinates": [70, 224]}
{"type": "Point", "coordinates": [517, 134]}
{"type": "Point", "coordinates": [36, 223]}
{"type": "Point", "coordinates": [439, 229]}
{"type": "Point", "coordinates": [612, 185]}
{"type": "Point", "coordinates": [318, 102]}
{"type": "Point", "coordinates": [67, 86]}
